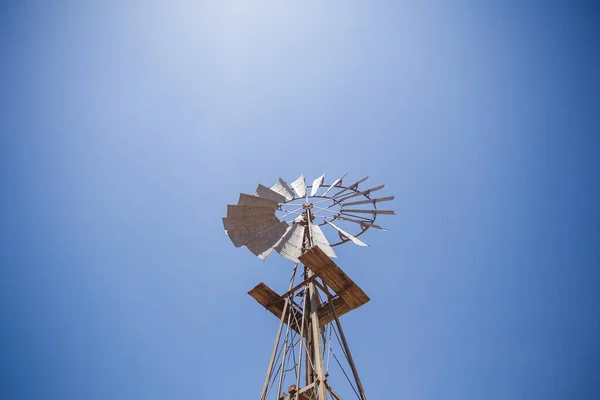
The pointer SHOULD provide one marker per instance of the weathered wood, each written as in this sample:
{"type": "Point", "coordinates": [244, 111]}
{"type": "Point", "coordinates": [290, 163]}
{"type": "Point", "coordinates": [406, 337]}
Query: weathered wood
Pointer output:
{"type": "Point", "coordinates": [325, 313]}
{"type": "Point", "coordinates": [305, 396]}
{"type": "Point", "coordinates": [354, 296]}
{"type": "Point", "coordinates": [270, 300]}
{"type": "Point", "coordinates": [316, 339]}
{"type": "Point", "coordinates": [349, 295]}
{"type": "Point", "coordinates": [333, 393]}
{"type": "Point", "coordinates": [298, 286]}
{"type": "Point", "coordinates": [306, 393]}
{"type": "Point", "coordinates": [333, 276]}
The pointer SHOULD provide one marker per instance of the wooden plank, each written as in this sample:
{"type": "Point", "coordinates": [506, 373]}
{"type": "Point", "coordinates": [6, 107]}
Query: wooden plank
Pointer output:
{"type": "Point", "coordinates": [270, 300]}
{"type": "Point", "coordinates": [354, 296]}
{"type": "Point", "coordinates": [333, 393]}
{"type": "Point", "coordinates": [335, 278]}
{"type": "Point", "coordinates": [326, 315]}
{"type": "Point", "coordinates": [306, 393]}
{"type": "Point", "coordinates": [305, 396]}
{"type": "Point", "coordinates": [349, 295]}
{"type": "Point", "coordinates": [298, 286]}
{"type": "Point", "coordinates": [321, 264]}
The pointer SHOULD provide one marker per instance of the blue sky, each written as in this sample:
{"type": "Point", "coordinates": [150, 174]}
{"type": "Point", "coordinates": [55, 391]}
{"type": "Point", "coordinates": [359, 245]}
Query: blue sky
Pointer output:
{"type": "Point", "coordinates": [127, 127]}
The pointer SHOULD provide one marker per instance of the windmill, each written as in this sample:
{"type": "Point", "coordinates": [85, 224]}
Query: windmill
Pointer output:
{"type": "Point", "coordinates": [291, 221]}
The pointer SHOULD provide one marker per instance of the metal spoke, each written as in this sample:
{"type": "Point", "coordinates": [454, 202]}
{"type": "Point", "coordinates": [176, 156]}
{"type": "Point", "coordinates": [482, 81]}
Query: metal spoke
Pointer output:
{"type": "Point", "coordinates": [325, 217]}
{"type": "Point", "coordinates": [326, 209]}
{"type": "Point", "coordinates": [356, 216]}
{"type": "Point", "coordinates": [322, 201]}
{"type": "Point", "coordinates": [291, 204]}
{"type": "Point", "coordinates": [291, 212]}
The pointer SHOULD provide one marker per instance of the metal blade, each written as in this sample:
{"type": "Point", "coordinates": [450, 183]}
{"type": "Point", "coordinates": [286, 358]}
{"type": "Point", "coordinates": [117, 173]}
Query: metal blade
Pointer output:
{"type": "Point", "coordinates": [379, 200]}
{"type": "Point", "coordinates": [290, 246]}
{"type": "Point", "coordinates": [364, 192]}
{"type": "Point", "coordinates": [391, 212]}
{"type": "Point", "coordinates": [335, 183]}
{"type": "Point", "coordinates": [244, 234]}
{"type": "Point", "coordinates": [300, 186]}
{"type": "Point", "coordinates": [362, 223]}
{"type": "Point", "coordinates": [353, 186]}
{"type": "Point", "coordinates": [239, 211]}
{"type": "Point", "coordinates": [264, 244]}
{"type": "Point", "coordinates": [320, 240]}
{"type": "Point", "coordinates": [283, 189]}
{"type": "Point", "coordinates": [367, 219]}
{"type": "Point", "coordinates": [370, 225]}
{"type": "Point", "coordinates": [349, 219]}
{"type": "Point", "coordinates": [245, 220]}
{"type": "Point", "coordinates": [316, 184]}
{"type": "Point", "coordinates": [249, 200]}
{"type": "Point", "coordinates": [265, 192]}
{"type": "Point", "coordinates": [354, 240]}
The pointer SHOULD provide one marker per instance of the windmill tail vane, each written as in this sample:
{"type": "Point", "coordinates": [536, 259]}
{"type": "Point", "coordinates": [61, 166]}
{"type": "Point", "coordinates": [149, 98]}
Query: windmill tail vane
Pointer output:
{"type": "Point", "coordinates": [292, 220]}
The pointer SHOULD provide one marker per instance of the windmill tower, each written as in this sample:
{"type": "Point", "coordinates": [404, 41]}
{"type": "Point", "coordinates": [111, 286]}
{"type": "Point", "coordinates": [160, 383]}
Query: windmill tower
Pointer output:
{"type": "Point", "coordinates": [290, 220]}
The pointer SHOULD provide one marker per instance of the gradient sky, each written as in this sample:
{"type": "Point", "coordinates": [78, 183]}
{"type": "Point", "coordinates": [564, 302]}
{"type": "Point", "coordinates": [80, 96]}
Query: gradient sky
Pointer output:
{"type": "Point", "coordinates": [128, 126]}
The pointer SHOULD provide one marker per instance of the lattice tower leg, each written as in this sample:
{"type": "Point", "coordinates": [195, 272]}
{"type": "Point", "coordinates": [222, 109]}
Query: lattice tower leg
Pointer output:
{"type": "Point", "coordinates": [316, 353]}
{"type": "Point", "coordinates": [263, 395]}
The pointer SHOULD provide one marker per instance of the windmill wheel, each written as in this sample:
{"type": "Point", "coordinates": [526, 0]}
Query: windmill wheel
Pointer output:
{"type": "Point", "coordinates": [276, 218]}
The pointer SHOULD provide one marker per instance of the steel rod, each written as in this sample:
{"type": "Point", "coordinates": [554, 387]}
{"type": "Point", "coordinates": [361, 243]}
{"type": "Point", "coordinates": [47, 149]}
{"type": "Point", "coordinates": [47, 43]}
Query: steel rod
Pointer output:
{"type": "Point", "coordinates": [326, 209]}
{"type": "Point", "coordinates": [291, 212]}
{"type": "Point", "coordinates": [263, 395]}
{"type": "Point", "coordinates": [347, 350]}
{"type": "Point", "coordinates": [285, 344]}
{"type": "Point", "coordinates": [302, 323]}
{"type": "Point", "coordinates": [298, 286]}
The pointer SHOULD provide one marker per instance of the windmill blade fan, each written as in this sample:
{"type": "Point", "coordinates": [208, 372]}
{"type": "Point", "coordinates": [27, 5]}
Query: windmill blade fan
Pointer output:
{"type": "Point", "coordinates": [258, 221]}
